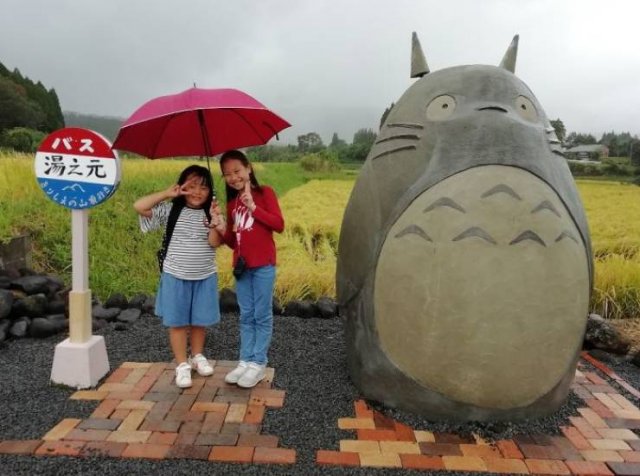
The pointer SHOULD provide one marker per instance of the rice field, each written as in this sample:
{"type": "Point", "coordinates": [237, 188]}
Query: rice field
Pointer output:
{"type": "Point", "coordinates": [122, 259]}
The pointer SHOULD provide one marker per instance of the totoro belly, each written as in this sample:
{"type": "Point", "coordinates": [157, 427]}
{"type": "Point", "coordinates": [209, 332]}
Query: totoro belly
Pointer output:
{"type": "Point", "coordinates": [482, 288]}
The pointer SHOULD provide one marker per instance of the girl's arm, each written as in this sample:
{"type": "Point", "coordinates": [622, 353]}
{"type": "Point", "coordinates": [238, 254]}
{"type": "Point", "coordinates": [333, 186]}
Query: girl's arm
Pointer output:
{"type": "Point", "coordinates": [270, 215]}
{"type": "Point", "coordinates": [144, 205]}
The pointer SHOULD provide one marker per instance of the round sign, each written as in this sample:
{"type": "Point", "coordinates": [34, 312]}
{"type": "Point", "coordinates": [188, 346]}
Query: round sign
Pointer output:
{"type": "Point", "coordinates": [76, 168]}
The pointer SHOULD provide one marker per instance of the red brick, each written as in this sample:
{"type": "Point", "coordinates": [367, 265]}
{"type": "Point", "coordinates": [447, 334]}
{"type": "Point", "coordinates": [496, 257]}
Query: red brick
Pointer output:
{"type": "Point", "coordinates": [422, 462]}
{"type": "Point", "coordinates": [576, 438]}
{"type": "Point", "coordinates": [118, 375]}
{"type": "Point", "coordinates": [337, 458]}
{"type": "Point", "coordinates": [87, 435]}
{"type": "Point", "coordinates": [105, 409]}
{"type": "Point", "coordinates": [383, 422]}
{"type": "Point", "coordinates": [189, 452]}
{"type": "Point", "coordinates": [103, 448]}
{"type": "Point", "coordinates": [254, 414]}
{"type": "Point", "coordinates": [274, 456]}
{"type": "Point", "coordinates": [377, 435]}
{"type": "Point", "coordinates": [625, 469]}
{"type": "Point", "coordinates": [145, 450]}
{"type": "Point", "coordinates": [509, 449]}
{"type": "Point", "coordinates": [60, 448]}
{"type": "Point", "coordinates": [546, 466]}
{"type": "Point", "coordinates": [19, 447]}
{"type": "Point", "coordinates": [483, 451]}
{"type": "Point", "coordinates": [540, 452]}
{"type": "Point", "coordinates": [599, 407]}
{"type": "Point", "coordinates": [232, 454]}
{"type": "Point", "coordinates": [404, 432]}
{"type": "Point", "coordinates": [440, 449]}
{"type": "Point", "coordinates": [160, 438]}
{"type": "Point", "coordinates": [265, 441]}
{"type": "Point", "coordinates": [588, 468]}
{"type": "Point", "coordinates": [584, 427]}
{"type": "Point", "coordinates": [362, 409]}
{"type": "Point", "coordinates": [453, 438]}
{"type": "Point", "coordinates": [508, 466]}
{"type": "Point", "coordinates": [630, 456]}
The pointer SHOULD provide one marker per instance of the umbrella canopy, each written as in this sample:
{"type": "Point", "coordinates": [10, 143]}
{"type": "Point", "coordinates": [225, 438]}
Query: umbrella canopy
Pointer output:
{"type": "Point", "coordinates": [201, 122]}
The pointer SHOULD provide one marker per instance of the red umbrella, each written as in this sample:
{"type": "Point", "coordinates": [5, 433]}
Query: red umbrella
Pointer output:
{"type": "Point", "coordinates": [201, 122]}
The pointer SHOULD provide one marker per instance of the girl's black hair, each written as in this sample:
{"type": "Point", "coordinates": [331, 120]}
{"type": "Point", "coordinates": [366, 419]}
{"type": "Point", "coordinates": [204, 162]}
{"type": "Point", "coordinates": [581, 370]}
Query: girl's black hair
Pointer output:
{"type": "Point", "coordinates": [206, 179]}
{"type": "Point", "coordinates": [237, 155]}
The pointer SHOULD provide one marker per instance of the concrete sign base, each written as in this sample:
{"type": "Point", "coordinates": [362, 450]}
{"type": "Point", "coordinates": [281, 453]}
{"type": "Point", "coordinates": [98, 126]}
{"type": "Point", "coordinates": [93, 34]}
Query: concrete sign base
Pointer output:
{"type": "Point", "coordinates": [80, 365]}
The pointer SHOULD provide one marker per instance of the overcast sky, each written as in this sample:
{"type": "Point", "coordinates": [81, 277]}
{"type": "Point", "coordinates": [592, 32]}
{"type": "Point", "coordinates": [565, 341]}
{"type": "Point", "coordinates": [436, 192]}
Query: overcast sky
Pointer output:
{"type": "Point", "coordinates": [325, 66]}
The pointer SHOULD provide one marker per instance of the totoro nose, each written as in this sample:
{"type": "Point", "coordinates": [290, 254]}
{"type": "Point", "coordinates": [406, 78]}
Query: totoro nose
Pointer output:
{"type": "Point", "coordinates": [492, 108]}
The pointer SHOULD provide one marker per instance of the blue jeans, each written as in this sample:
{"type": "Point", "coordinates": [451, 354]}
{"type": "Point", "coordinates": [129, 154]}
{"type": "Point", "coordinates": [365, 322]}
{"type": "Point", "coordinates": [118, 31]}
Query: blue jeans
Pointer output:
{"type": "Point", "coordinates": [255, 298]}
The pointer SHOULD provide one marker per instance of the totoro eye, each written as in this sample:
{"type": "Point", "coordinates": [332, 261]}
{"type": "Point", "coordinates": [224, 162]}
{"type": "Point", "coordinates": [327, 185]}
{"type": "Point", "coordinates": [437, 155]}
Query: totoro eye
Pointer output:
{"type": "Point", "coordinates": [441, 108]}
{"type": "Point", "coordinates": [526, 109]}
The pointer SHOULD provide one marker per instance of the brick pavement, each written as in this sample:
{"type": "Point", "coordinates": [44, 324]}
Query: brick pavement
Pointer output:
{"type": "Point", "coordinates": [142, 414]}
{"type": "Point", "coordinates": [598, 441]}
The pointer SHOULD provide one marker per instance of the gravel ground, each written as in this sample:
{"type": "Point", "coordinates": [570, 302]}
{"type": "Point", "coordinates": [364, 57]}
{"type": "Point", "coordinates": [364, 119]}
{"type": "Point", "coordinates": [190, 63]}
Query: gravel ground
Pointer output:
{"type": "Point", "coordinates": [309, 358]}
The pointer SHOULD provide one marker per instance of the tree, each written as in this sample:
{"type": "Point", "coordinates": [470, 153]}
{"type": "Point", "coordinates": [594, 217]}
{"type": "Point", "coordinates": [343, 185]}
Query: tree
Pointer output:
{"type": "Point", "coordinates": [561, 132]}
{"type": "Point", "coordinates": [386, 113]}
{"type": "Point", "coordinates": [336, 142]}
{"type": "Point", "coordinates": [363, 139]}
{"type": "Point", "coordinates": [311, 142]}
{"type": "Point", "coordinates": [16, 110]}
{"type": "Point", "coordinates": [574, 139]}
{"type": "Point", "coordinates": [635, 151]}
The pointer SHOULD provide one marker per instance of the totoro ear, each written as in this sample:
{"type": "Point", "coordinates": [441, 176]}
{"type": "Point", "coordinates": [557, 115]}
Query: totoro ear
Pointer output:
{"type": "Point", "coordinates": [509, 59]}
{"type": "Point", "coordinates": [418, 62]}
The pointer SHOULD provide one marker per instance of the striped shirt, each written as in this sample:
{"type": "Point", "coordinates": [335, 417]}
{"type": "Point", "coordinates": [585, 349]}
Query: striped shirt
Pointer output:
{"type": "Point", "coordinates": [190, 256]}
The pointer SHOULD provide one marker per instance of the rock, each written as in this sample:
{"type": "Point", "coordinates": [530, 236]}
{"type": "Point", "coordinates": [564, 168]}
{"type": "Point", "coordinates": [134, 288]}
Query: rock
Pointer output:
{"type": "Point", "coordinates": [327, 307]}
{"type": "Point", "coordinates": [304, 309]}
{"type": "Point", "coordinates": [228, 301]}
{"type": "Point", "coordinates": [31, 284]}
{"type": "Point", "coordinates": [19, 329]}
{"type": "Point", "coordinates": [276, 307]}
{"type": "Point", "coordinates": [10, 273]}
{"type": "Point", "coordinates": [117, 300]}
{"type": "Point", "coordinates": [4, 329]}
{"type": "Point", "coordinates": [41, 327]}
{"type": "Point", "coordinates": [98, 324]}
{"type": "Point", "coordinates": [149, 306]}
{"type": "Point", "coordinates": [129, 315]}
{"type": "Point", "coordinates": [33, 306]}
{"type": "Point", "coordinates": [6, 303]}
{"type": "Point", "coordinates": [607, 357]}
{"type": "Point", "coordinates": [27, 272]}
{"type": "Point", "coordinates": [138, 301]}
{"type": "Point", "coordinates": [5, 282]}
{"type": "Point", "coordinates": [99, 312]}
{"type": "Point", "coordinates": [59, 321]}
{"type": "Point", "coordinates": [602, 335]}
{"type": "Point", "coordinates": [56, 306]}
{"type": "Point", "coordinates": [635, 360]}
{"type": "Point", "coordinates": [120, 326]}
{"type": "Point", "coordinates": [54, 284]}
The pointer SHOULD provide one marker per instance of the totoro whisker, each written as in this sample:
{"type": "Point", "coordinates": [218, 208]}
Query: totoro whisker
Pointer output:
{"type": "Point", "coordinates": [444, 202]}
{"type": "Point", "coordinates": [475, 231]}
{"type": "Point", "coordinates": [415, 230]}
{"type": "Point", "coordinates": [501, 188]}
{"type": "Point", "coordinates": [567, 234]}
{"type": "Point", "coordinates": [392, 151]}
{"type": "Point", "coordinates": [527, 235]}
{"type": "Point", "coordinates": [546, 205]}
{"type": "Point", "coordinates": [558, 152]}
{"type": "Point", "coordinates": [399, 136]}
{"type": "Point", "coordinates": [408, 125]}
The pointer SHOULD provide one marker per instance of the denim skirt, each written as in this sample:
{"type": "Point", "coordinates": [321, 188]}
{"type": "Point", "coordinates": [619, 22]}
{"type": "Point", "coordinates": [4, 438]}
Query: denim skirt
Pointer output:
{"type": "Point", "coordinates": [182, 302]}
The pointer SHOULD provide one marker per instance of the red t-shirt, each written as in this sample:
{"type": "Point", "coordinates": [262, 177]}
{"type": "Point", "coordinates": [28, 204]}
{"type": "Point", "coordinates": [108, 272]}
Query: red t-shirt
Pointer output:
{"type": "Point", "coordinates": [251, 234]}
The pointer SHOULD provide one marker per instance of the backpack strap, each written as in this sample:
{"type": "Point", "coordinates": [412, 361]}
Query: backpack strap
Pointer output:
{"type": "Point", "coordinates": [174, 213]}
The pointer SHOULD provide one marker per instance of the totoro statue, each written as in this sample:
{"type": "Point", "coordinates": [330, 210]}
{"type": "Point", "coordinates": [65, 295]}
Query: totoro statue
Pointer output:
{"type": "Point", "coordinates": [464, 262]}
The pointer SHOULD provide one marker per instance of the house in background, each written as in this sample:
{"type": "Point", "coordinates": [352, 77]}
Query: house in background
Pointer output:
{"type": "Point", "coordinates": [587, 152]}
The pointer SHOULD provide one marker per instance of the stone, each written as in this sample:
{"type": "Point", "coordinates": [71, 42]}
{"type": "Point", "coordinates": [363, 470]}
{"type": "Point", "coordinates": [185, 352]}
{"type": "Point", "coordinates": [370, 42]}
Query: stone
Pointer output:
{"type": "Point", "coordinates": [31, 284]}
{"type": "Point", "coordinates": [59, 321]}
{"type": "Point", "coordinates": [5, 282]}
{"type": "Point", "coordinates": [276, 307]}
{"type": "Point", "coordinates": [98, 324]}
{"type": "Point", "coordinates": [228, 301]}
{"type": "Point", "coordinates": [120, 326]}
{"type": "Point", "coordinates": [34, 305]}
{"type": "Point", "coordinates": [99, 312]}
{"type": "Point", "coordinates": [24, 271]}
{"type": "Point", "coordinates": [6, 303]}
{"type": "Point", "coordinates": [56, 306]}
{"type": "Point", "coordinates": [602, 335]}
{"type": "Point", "coordinates": [19, 328]}
{"type": "Point", "coordinates": [304, 309]}
{"type": "Point", "coordinates": [117, 300]}
{"type": "Point", "coordinates": [129, 315]}
{"type": "Point", "coordinates": [474, 253]}
{"type": "Point", "coordinates": [327, 307]}
{"type": "Point", "coordinates": [41, 327]}
{"type": "Point", "coordinates": [149, 306]}
{"type": "Point", "coordinates": [138, 301]}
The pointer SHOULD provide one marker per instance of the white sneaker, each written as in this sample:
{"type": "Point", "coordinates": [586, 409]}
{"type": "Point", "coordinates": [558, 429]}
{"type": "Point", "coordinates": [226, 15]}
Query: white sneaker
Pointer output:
{"type": "Point", "coordinates": [200, 364]}
{"type": "Point", "coordinates": [253, 375]}
{"type": "Point", "coordinates": [235, 374]}
{"type": "Point", "coordinates": [183, 375]}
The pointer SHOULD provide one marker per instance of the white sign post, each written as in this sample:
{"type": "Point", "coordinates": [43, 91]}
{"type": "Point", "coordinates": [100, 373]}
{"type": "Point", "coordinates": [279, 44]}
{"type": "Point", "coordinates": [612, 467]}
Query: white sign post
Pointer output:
{"type": "Point", "coordinates": [77, 169]}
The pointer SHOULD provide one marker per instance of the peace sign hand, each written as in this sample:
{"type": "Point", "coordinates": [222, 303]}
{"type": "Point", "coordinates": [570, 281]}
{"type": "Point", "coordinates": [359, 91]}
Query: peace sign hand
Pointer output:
{"type": "Point", "coordinates": [246, 198]}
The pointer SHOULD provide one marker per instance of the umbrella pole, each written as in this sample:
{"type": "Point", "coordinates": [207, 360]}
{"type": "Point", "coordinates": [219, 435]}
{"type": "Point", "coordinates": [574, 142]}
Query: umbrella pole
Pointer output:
{"type": "Point", "coordinates": [205, 140]}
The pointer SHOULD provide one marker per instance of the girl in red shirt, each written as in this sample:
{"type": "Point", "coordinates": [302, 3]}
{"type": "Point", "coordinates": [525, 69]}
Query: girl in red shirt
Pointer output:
{"type": "Point", "coordinates": [253, 214]}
